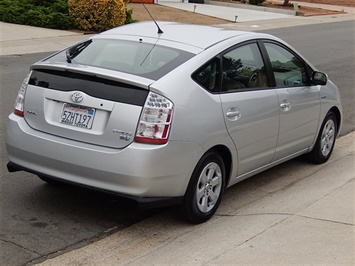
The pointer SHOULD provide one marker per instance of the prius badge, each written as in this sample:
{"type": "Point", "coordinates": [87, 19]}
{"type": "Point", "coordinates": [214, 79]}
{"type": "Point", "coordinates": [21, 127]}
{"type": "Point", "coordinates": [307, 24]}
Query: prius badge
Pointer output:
{"type": "Point", "coordinates": [124, 135]}
{"type": "Point", "coordinates": [77, 97]}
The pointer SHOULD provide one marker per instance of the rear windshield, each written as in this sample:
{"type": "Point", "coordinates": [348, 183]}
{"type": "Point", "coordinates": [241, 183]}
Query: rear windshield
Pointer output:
{"type": "Point", "coordinates": [143, 59]}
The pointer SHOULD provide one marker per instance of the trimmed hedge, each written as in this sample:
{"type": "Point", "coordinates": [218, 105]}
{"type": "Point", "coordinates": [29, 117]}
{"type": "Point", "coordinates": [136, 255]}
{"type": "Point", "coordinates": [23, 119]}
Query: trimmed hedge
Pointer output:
{"type": "Point", "coordinates": [94, 15]}
{"type": "Point", "coordinates": [42, 13]}
{"type": "Point", "coordinates": [52, 14]}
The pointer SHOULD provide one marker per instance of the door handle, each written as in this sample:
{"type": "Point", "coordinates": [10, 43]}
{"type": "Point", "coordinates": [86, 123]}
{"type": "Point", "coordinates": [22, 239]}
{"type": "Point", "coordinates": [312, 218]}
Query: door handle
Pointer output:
{"type": "Point", "coordinates": [233, 114]}
{"type": "Point", "coordinates": [285, 106]}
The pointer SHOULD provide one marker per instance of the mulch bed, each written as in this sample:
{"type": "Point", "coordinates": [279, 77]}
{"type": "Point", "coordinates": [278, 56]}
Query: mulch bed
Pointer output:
{"type": "Point", "coordinates": [303, 10]}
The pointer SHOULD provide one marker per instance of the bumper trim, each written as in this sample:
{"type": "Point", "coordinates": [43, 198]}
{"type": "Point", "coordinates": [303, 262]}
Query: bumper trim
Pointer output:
{"type": "Point", "coordinates": [142, 202]}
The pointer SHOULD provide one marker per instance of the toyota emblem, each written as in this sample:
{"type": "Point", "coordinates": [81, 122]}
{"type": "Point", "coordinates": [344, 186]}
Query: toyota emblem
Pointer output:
{"type": "Point", "coordinates": [77, 97]}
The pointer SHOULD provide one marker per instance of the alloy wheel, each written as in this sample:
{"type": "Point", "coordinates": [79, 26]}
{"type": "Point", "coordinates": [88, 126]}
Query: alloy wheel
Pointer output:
{"type": "Point", "coordinates": [208, 187]}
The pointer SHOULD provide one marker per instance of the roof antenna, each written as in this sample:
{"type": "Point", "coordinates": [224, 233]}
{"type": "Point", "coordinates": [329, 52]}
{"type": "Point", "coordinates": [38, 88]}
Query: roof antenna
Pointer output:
{"type": "Point", "coordinates": [159, 29]}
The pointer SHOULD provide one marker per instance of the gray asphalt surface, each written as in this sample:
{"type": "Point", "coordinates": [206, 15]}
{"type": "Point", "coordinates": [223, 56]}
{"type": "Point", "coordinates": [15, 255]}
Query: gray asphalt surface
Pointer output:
{"type": "Point", "coordinates": [330, 47]}
{"type": "Point", "coordinates": [38, 221]}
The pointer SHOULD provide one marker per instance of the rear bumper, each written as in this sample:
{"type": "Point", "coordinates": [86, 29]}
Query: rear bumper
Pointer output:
{"type": "Point", "coordinates": [142, 202]}
{"type": "Point", "coordinates": [137, 171]}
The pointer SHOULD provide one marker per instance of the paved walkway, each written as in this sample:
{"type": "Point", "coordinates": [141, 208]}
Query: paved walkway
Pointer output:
{"type": "Point", "coordinates": [19, 39]}
{"type": "Point", "coordinates": [231, 12]}
{"type": "Point", "coordinates": [309, 220]}
{"type": "Point", "coordinates": [346, 9]}
{"type": "Point", "coordinates": [303, 217]}
{"type": "Point", "coordinates": [246, 13]}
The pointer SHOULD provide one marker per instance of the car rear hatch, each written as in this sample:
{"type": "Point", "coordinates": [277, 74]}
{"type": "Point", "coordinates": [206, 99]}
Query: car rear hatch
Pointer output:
{"type": "Point", "coordinates": [88, 105]}
{"type": "Point", "coordinates": [94, 91]}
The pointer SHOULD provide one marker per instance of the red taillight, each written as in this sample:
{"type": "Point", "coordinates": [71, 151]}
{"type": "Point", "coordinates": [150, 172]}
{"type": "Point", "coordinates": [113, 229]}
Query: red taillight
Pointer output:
{"type": "Point", "coordinates": [20, 99]}
{"type": "Point", "coordinates": [155, 120]}
{"type": "Point", "coordinates": [18, 112]}
{"type": "Point", "coordinates": [150, 141]}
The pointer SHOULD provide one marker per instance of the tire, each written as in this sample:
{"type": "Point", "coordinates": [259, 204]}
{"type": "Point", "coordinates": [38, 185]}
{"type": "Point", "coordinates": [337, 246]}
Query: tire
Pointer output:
{"type": "Point", "coordinates": [205, 189]}
{"type": "Point", "coordinates": [325, 140]}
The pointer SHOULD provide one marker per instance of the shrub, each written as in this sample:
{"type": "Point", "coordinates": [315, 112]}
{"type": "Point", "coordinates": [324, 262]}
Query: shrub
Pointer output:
{"type": "Point", "coordinates": [97, 15]}
{"type": "Point", "coordinates": [129, 18]}
{"type": "Point", "coordinates": [256, 2]}
{"type": "Point", "coordinates": [42, 13]}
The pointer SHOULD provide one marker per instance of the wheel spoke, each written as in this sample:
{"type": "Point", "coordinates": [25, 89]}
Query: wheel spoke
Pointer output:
{"type": "Point", "coordinates": [211, 171]}
{"type": "Point", "coordinates": [215, 181]}
{"type": "Point", "coordinates": [214, 197]}
{"type": "Point", "coordinates": [203, 178]}
{"type": "Point", "coordinates": [200, 193]}
{"type": "Point", "coordinates": [331, 135]}
{"type": "Point", "coordinates": [204, 204]}
{"type": "Point", "coordinates": [324, 149]}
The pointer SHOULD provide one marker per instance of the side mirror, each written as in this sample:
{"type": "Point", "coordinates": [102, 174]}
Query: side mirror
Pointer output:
{"type": "Point", "coordinates": [319, 78]}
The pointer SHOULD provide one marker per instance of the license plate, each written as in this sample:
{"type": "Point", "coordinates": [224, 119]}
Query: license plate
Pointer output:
{"type": "Point", "coordinates": [78, 116]}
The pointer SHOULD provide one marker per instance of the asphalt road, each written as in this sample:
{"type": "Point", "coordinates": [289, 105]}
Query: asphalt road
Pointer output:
{"type": "Point", "coordinates": [38, 220]}
{"type": "Point", "coordinates": [330, 47]}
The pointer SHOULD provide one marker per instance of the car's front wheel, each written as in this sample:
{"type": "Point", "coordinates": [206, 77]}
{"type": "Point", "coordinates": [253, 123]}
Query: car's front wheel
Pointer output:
{"type": "Point", "coordinates": [205, 189]}
{"type": "Point", "coordinates": [325, 141]}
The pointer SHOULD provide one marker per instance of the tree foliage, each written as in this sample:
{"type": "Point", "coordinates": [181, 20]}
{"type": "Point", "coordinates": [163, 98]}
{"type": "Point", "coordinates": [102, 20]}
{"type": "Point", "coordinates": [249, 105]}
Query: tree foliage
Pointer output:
{"type": "Point", "coordinates": [42, 13]}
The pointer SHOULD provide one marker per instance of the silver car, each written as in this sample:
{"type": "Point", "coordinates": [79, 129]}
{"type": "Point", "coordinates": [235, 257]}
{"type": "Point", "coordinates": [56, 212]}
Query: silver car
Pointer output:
{"type": "Point", "coordinates": [173, 116]}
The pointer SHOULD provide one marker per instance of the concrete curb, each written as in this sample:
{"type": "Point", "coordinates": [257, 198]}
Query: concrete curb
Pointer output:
{"type": "Point", "coordinates": [226, 12]}
{"type": "Point", "coordinates": [252, 7]}
{"type": "Point", "coordinates": [275, 218]}
{"type": "Point", "coordinates": [279, 217]}
{"type": "Point", "coordinates": [20, 39]}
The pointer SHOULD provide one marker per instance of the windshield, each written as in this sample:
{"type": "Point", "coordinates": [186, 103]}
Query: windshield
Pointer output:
{"type": "Point", "coordinates": [143, 59]}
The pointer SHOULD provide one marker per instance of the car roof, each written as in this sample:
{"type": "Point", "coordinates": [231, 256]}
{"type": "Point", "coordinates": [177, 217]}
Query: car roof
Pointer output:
{"type": "Point", "coordinates": [194, 35]}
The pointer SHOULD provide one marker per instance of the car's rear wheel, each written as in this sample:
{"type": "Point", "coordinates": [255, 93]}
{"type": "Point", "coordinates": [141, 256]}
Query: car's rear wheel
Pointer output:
{"type": "Point", "coordinates": [325, 141]}
{"type": "Point", "coordinates": [205, 189]}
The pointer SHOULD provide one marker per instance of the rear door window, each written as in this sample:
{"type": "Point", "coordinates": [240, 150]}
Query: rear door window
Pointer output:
{"type": "Point", "coordinates": [243, 68]}
{"type": "Point", "coordinates": [208, 76]}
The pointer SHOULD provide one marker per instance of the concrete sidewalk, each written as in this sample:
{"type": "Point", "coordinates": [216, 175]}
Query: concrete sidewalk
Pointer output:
{"type": "Point", "coordinates": [278, 217]}
{"type": "Point", "coordinates": [347, 9]}
{"type": "Point", "coordinates": [231, 12]}
{"type": "Point", "coordinates": [303, 217]}
{"type": "Point", "coordinates": [20, 39]}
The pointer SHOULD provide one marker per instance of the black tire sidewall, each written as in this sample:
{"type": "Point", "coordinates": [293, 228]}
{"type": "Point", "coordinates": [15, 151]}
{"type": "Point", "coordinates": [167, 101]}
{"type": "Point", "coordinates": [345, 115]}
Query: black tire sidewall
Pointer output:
{"type": "Point", "coordinates": [190, 208]}
{"type": "Point", "coordinates": [316, 155]}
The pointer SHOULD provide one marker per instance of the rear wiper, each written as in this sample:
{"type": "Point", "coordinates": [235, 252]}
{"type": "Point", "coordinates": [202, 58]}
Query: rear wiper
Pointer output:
{"type": "Point", "coordinates": [72, 52]}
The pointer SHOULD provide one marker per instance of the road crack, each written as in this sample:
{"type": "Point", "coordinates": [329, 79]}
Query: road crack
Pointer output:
{"type": "Point", "coordinates": [324, 220]}
{"type": "Point", "coordinates": [76, 245]}
{"type": "Point", "coordinates": [20, 246]}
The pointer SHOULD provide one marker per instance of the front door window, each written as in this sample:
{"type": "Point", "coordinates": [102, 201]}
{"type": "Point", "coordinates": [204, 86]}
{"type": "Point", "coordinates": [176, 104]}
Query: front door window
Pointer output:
{"type": "Point", "coordinates": [288, 70]}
